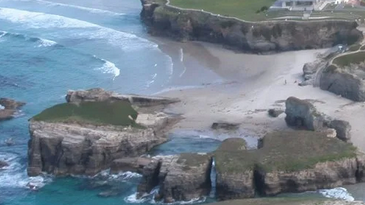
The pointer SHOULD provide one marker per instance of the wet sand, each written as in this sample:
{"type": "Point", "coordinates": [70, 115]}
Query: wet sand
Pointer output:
{"type": "Point", "coordinates": [249, 86]}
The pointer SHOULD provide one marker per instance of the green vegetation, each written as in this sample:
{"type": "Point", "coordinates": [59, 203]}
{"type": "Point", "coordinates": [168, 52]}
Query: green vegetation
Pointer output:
{"type": "Point", "coordinates": [352, 58]}
{"type": "Point", "coordinates": [258, 10]}
{"type": "Point", "coordinates": [243, 9]}
{"type": "Point", "coordinates": [354, 47]}
{"type": "Point", "coordinates": [284, 151]}
{"type": "Point", "coordinates": [99, 113]}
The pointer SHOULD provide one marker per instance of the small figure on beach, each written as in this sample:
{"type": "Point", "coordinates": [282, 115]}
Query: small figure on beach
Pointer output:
{"type": "Point", "coordinates": [285, 82]}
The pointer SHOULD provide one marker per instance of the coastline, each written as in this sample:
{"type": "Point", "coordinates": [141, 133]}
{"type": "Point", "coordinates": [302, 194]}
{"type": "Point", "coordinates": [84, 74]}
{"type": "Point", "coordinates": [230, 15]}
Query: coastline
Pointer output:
{"type": "Point", "coordinates": [252, 85]}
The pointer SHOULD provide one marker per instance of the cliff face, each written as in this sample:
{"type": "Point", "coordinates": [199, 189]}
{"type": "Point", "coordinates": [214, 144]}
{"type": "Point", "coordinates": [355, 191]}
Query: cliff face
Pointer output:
{"type": "Point", "coordinates": [91, 138]}
{"type": "Point", "coordinates": [246, 36]}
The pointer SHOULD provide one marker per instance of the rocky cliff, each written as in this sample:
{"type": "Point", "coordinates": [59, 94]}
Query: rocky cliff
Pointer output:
{"type": "Point", "coordinates": [85, 135]}
{"type": "Point", "coordinates": [246, 36]}
{"type": "Point", "coordinates": [287, 162]}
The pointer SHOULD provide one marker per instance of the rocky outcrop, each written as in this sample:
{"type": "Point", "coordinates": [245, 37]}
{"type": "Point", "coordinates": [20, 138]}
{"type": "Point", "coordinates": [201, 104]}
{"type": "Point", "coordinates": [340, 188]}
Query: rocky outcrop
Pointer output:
{"type": "Point", "coordinates": [235, 178]}
{"type": "Point", "coordinates": [98, 94]}
{"type": "Point", "coordinates": [246, 36]}
{"type": "Point", "coordinates": [181, 178]}
{"type": "Point", "coordinates": [347, 82]}
{"type": "Point", "coordinates": [130, 164]}
{"type": "Point", "coordinates": [64, 147]}
{"type": "Point", "coordinates": [8, 108]}
{"type": "Point", "coordinates": [302, 114]}
{"type": "Point", "coordinates": [287, 162]}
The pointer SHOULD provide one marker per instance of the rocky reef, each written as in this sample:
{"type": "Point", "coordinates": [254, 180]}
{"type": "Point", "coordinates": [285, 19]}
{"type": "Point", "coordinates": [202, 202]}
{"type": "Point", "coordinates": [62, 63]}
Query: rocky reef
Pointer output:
{"type": "Point", "coordinates": [256, 37]}
{"type": "Point", "coordinates": [95, 127]}
{"type": "Point", "coordinates": [8, 108]}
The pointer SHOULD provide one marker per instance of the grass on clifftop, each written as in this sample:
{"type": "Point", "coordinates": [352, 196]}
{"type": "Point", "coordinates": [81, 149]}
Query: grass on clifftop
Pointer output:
{"type": "Point", "coordinates": [98, 113]}
{"type": "Point", "coordinates": [352, 58]}
{"type": "Point", "coordinates": [285, 151]}
{"type": "Point", "coordinates": [243, 9]}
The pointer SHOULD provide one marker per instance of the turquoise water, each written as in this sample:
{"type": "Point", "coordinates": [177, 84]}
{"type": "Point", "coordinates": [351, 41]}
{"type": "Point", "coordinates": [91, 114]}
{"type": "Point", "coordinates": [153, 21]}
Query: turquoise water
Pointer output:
{"type": "Point", "coordinates": [47, 48]}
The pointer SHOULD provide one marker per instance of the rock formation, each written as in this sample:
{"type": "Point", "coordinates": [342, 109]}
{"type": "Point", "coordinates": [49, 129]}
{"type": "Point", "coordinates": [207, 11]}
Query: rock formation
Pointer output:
{"type": "Point", "coordinates": [287, 162]}
{"type": "Point", "coordinates": [181, 178]}
{"type": "Point", "coordinates": [346, 81]}
{"type": "Point", "coordinates": [247, 36]}
{"type": "Point", "coordinates": [72, 147]}
{"type": "Point", "coordinates": [275, 112]}
{"type": "Point", "coordinates": [291, 201]}
{"type": "Point", "coordinates": [303, 115]}
{"type": "Point", "coordinates": [8, 108]}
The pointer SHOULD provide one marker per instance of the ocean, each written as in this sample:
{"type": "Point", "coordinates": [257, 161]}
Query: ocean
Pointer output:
{"type": "Point", "coordinates": [48, 47]}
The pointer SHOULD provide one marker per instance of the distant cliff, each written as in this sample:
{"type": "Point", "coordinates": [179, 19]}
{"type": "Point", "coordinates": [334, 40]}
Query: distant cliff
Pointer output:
{"type": "Point", "coordinates": [254, 37]}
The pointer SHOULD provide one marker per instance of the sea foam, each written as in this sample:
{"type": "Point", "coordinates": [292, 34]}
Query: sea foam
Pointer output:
{"type": "Point", "coordinates": [109, 67]}
{"type": "Point", "coordinates": [337, 193]}
{"type": "Point", "coordinates": [46, 43]}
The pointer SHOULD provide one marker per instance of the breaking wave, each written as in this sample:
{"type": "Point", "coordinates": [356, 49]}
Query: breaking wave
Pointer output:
{"type": "Point", "coordinates": [37, 20]}
{"type": "Point", "coordinates": [109, 67]}
{"type": "Point", "coordinates": [337, 193]}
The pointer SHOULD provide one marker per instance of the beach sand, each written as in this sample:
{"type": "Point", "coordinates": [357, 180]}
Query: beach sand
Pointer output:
{"type": "Point", "coordinates": [249, 86]}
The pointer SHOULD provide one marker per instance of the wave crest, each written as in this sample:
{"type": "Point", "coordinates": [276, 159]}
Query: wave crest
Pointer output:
{"type": "Point", "coordinates": [337, 193]}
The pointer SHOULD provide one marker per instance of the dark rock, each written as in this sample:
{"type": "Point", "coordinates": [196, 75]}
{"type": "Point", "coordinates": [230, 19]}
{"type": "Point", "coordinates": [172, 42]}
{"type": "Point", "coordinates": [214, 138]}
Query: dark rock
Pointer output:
{"type": "Point", "coordinates": [346, 82]}
{"type": "Point", "coordinates": [342, 128]}
{"type": "Point", "coordinates": [3, 164]}
{"type": "Point", "coordinates": [275, 112]}
{"type": "Point", "coordinates": [302, 114]}
{"type": "Point", "coordinates": [225, 126]}
{"type": "Point", "coordinates": [150, 178]}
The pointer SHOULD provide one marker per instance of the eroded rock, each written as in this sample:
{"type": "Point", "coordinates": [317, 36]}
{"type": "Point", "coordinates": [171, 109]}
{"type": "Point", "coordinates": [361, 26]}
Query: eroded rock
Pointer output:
{"type": "Point", "coordinates": [225, 126]}
{"type": "Point", "coordinates": [342, 128]}
{"type": "Point", "coordinates": [8, 108]}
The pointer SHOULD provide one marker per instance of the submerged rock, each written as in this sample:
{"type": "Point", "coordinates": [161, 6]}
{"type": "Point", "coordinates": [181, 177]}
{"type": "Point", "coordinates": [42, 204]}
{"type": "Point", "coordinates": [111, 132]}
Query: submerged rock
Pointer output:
{"type": "Point", "coordinates": [8, 108]}
{"type": "Point", "coordinates": [3, 164]}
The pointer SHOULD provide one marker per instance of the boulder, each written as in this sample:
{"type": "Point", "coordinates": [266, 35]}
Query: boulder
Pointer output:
{"type": "Point", "coordinates": [3, 164]}
{"type": "Point", "coordinates": [342, 128]}
{"type": "Point", "coordinates": [225, 126]}
{"type": "Point", "coordinates": [302, 114]}
{"type": "Point", "coordinates": [275, 112]}
{"type": "Point", "coordinates": [98, 94]}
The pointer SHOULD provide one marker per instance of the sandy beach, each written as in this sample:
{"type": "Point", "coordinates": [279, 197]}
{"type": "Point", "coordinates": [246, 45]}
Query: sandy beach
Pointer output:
{"type": "Point", "coordinates": [252, 84]}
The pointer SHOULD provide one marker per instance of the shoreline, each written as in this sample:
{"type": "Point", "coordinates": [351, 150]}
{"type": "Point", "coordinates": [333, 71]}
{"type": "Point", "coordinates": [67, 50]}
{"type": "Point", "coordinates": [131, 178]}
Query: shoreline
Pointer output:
{"type": "Point", "coordinates": [253, 84]}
